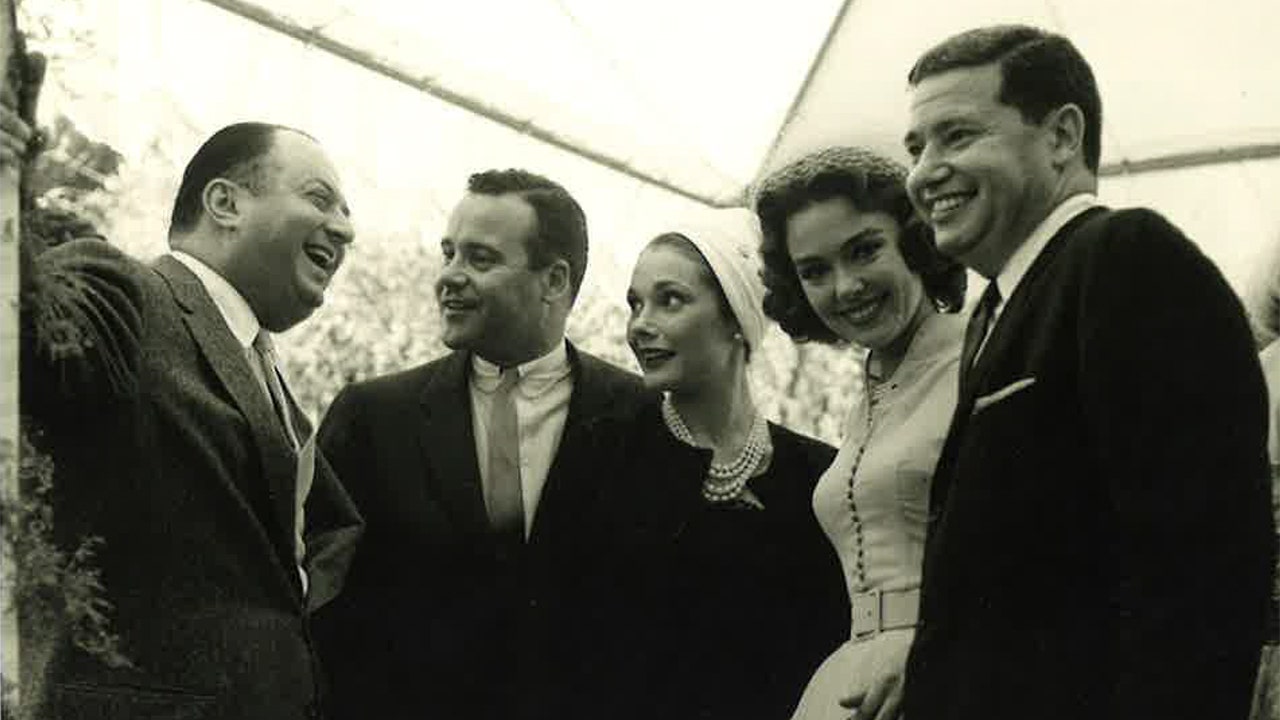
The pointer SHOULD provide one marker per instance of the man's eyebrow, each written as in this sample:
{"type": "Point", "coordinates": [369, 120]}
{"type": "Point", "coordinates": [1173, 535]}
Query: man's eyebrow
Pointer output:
{"type": "Point", "coordinates": [342, 201]}
{"type": "Point", "coordinates": [940, 126]}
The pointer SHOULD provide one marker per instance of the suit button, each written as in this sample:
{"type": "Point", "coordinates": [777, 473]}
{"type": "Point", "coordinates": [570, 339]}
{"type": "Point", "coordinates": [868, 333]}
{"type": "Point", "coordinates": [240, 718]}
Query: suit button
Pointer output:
{"type": "Point", "coordinates": [533, 602]}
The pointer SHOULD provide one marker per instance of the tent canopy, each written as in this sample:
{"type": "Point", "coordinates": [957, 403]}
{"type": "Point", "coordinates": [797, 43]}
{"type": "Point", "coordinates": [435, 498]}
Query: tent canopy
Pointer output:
{"type": "Point", "coordinates": [657, 107]}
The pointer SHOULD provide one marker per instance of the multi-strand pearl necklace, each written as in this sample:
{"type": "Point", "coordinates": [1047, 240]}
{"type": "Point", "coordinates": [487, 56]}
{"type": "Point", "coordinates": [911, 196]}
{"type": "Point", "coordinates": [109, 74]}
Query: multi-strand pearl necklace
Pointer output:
{"type": "Point", "coordinates": [725, 481]}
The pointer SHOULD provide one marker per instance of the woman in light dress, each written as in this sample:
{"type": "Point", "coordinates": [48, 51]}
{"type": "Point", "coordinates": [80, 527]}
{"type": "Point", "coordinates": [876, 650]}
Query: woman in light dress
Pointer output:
{"type": "Point", "coordinates": [847, 261]}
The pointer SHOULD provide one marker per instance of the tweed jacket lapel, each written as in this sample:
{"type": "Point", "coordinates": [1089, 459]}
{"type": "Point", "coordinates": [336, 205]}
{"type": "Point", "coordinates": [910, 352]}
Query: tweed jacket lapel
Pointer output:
{"type": "Point", "coordinates": [231, 366]}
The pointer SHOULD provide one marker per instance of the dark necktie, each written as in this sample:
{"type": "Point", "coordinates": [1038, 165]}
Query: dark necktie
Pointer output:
{"type": "Point", "coordinates": [976, 332]}
{"type": "Point", "coordinates": [502, 494]}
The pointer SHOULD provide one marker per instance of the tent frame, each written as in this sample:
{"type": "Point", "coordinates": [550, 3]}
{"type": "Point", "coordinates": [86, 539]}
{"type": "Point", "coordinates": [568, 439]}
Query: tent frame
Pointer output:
{"type": "Point", "coordinates": [433, 86]}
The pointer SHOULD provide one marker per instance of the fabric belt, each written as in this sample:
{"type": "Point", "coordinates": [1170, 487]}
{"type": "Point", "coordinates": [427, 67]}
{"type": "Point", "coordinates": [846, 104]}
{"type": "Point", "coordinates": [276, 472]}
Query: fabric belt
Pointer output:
{"type": "Point", "coordinates": [878, 610]}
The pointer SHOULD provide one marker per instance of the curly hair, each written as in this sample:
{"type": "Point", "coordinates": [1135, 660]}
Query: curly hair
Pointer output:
{"type": "Point", "coordinates": [871, 182]}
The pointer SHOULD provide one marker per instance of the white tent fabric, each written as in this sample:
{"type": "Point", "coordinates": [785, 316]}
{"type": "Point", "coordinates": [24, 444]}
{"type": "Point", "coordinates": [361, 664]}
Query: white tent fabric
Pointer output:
{"type": "Point", "coordinates": [700, 95]}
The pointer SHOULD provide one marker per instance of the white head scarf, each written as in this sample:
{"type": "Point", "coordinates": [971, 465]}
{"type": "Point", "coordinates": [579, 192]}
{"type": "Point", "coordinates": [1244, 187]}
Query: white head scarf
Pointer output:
{"type": "Point", "coordinates": [727, 240]}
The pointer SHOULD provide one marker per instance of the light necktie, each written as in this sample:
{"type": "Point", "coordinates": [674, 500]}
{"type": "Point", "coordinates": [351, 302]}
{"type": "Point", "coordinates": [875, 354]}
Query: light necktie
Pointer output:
{"type": "Point", "coordinates": [976, 333]}
{"type": "Point", "coordinates": [502, 495]}
{"type": "Point", "coordinates": [265, 352]}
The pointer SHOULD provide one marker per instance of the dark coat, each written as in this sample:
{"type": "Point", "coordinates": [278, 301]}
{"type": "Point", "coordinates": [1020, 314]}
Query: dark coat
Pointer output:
{"type": "Point", "coordinates": [711, 611]}
{"type": "Point", "coordinates": [1100, 542]}
{"type": "Point", "coordinates": [439, 618]}
{"type": "Point", "coordinates": [188, 478]}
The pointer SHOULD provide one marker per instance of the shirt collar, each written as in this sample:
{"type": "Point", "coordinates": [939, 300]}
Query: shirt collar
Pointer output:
{"type": "Point", "coordinates": [231, 304]}
{"type": "Point", "coordinates": [1018, 264]}
{"type": "Point", "coordinates": [535, 376]}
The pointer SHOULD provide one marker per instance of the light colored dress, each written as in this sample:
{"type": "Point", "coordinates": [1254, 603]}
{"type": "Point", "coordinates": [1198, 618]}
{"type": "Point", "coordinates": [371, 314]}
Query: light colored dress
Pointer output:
{"type": "Point", "coordinates": [873, 501]}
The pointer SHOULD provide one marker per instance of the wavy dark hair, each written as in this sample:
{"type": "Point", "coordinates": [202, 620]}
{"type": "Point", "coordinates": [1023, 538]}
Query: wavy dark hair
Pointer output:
{"type": "Point", "coordinates": [871, 182]}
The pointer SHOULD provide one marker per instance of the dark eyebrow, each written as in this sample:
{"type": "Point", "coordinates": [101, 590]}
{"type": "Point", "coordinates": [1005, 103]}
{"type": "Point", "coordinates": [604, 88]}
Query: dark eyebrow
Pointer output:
{"type": "Point", "coordinates": [866, 234]}
{"type": "Point", "coordinates": [342, 202]}
{"type": "Point", "coordinates": [672, 285]}
{"type": "Point", "coordinates": [870, 233]}
{"type": "Point", "coordinates": [941, 126]}
{"type": "Point", "coordinates": [465, 246]}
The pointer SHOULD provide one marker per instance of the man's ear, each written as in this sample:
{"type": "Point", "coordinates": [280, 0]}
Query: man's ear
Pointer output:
{"type": "Point", "coordinates": [221, 199]}
{"type": "Point", "coordinates": [556, 281]}
{"type": "Point", "coordinates": [1066, 133]}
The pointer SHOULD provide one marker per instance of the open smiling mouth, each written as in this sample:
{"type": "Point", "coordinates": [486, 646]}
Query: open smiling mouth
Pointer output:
{"type": "Point", "coordinates": [322, 256]}
{"type": "Point", "coordinates": [943, 206]}
{"type": "Point", "coordinates": [863, 312]}
{"type": "Point", "coordinates": [456, 305]}
{"type": "Point", "coordinates": [651, 358]}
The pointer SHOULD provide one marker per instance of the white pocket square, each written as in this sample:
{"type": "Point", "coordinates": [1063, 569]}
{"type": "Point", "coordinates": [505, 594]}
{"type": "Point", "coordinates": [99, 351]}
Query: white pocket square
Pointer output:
{"type": "Point", "coordinates": [992, 398]}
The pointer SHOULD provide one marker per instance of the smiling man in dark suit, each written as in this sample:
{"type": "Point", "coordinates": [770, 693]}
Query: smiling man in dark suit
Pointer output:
{"type": "Point", "coordinates": [474, 473]}
{"type": "Point", "coordinates": [175, 440]}
{"type": "Point", "coordinates": [1099, 542]}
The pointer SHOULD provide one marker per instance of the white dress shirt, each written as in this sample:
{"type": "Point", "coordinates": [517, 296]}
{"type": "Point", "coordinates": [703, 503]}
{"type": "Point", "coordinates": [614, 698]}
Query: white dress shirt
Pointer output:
{"type": "Point", "coordinates": [1016, 267]}
{"type": "Point", "coordinates": [244, 325]}
{"type": "Point", "coordinates": [542, 407]}
{"type": "Point", "coordinates": [235, 309]}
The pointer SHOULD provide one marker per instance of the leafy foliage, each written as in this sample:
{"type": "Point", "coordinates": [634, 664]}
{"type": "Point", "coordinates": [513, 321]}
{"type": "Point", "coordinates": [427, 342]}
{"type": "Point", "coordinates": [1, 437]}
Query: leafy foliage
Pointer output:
{"type": "Point", "coordinates": [53, 588]}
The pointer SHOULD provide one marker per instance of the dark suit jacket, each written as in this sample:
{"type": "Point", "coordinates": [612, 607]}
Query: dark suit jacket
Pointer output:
{"type": "Point", "coordinates": [439, 619]}
{"type": "Point", "coordinates": [187, 477]}
{"type": "Point", "coordinates": [1100, 541]}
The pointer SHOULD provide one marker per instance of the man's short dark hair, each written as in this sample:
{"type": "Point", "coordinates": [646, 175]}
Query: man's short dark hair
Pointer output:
{"type": "Point", "coordinates": [236, 152]}
{"type": "Point", "coordinates": [561, 231]}
{"type": "Point", "coordinates": [1040, 72]}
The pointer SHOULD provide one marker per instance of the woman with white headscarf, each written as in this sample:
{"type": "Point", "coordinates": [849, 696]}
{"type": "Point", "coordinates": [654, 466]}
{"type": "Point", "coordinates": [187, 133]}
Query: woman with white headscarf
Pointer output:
{"type": "Point", "coordinates": [725, 594]}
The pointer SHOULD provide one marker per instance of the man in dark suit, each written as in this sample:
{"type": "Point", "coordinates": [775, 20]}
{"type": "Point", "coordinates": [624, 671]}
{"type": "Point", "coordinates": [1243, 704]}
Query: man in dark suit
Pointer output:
{"type": "Point", "coordinates": [1100, 541]}
{"type": "Point", "coordinates": [176, 442]}
{"type": "Point", "coordinates": [474, 473]}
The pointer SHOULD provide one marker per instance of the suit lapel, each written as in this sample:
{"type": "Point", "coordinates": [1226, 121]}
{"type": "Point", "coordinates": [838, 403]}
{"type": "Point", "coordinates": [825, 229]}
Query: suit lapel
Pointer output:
{"type": "Point", "coordinates": [1019, 308]}
{"type": "Point", "coordinates": [227, 359]}
{"type": "Point", "coordinates": [591, 398]}
{"type": "Point", "coordinates": [448, 444]}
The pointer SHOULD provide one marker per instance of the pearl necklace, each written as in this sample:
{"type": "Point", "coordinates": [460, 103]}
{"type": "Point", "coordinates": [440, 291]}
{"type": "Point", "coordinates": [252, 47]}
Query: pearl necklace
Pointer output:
{"type": "Point", "coordinates": [725, 481]}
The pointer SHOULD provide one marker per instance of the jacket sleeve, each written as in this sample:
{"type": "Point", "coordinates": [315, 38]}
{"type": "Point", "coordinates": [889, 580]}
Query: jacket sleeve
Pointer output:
{"type": "Point", "coordinates": [1172, 392]}
{"type": "Point", "coordinates": [82, 309]}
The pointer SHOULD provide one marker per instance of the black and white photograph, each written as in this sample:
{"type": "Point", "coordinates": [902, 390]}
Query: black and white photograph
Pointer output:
{"type": "Point", "coordinates": [663, 360]}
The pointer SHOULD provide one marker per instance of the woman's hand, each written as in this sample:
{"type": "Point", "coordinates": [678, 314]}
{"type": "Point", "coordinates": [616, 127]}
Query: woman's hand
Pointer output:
{"type": "Point", "coordinates": [880, 697]}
